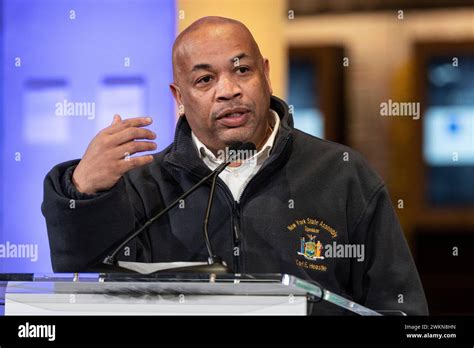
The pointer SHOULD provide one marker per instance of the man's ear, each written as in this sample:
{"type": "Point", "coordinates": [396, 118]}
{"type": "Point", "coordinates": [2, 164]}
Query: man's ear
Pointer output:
{"type": "Point", "coordinates": [176, 93]}
{"type": "Point", "coordinates": [266, 71]}
{"type": "Point", "coordinates": [177, 96]}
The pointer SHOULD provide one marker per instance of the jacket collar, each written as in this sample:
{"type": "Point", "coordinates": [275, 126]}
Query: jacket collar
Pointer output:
{"type": "Point", "coordinates": [184, 155]}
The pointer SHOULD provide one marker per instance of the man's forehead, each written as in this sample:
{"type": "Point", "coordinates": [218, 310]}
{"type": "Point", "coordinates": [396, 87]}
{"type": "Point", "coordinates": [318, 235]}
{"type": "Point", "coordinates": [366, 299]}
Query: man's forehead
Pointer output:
{"type": "Point", "coordinates": [220, 42]}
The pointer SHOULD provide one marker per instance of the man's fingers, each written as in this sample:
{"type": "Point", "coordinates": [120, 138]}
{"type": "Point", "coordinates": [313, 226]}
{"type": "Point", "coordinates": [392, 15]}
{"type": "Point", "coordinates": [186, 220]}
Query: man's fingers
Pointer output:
{"type": "Point", "coordinates": [117, 119]}
{"type": "Point", "coordinates": [129, 122]}
{"type": "Point", "coordinates": [132, 133]}
{"type": "Point", "coordinates": [133, 147]}
{"type": "Point", "coordinates": [138, 161]}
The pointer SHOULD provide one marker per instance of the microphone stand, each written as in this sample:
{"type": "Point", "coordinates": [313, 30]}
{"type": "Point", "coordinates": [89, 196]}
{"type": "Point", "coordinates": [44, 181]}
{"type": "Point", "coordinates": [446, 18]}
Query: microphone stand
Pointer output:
{"type": "Point", "coordinates": [111, 258]}
{"type": "Point", "coordinates": [215, 264]}
{"type": "Point", "coordinates": [212, 257]}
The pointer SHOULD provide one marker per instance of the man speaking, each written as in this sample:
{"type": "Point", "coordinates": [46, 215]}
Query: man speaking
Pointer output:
{"type": "Point", "coordinates": [299, 205]}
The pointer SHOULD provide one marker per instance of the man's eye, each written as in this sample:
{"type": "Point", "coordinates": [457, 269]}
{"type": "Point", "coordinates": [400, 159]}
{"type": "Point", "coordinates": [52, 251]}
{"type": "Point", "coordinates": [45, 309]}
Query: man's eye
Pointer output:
{"type": "Point", "coordinates": [204, 79]}
{"type": "Point", "coordinates": [242, 69]}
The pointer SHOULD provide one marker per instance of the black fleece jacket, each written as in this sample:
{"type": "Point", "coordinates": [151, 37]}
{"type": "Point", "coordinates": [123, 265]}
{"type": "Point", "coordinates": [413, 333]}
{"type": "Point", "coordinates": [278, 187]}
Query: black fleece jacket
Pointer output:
{"type": "Point", "coordinates": [309, 198]}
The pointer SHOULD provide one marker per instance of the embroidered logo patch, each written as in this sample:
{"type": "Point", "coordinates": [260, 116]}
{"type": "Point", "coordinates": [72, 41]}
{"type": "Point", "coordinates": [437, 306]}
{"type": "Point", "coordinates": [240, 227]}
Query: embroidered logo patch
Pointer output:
{"type": "Point", "coordinates": [314, 235]}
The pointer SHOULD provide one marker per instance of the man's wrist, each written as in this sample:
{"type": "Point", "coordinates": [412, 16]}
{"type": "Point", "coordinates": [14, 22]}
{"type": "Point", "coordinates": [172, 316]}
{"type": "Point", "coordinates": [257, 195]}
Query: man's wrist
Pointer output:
{"type": "Point", "coordinates": [79, 186]}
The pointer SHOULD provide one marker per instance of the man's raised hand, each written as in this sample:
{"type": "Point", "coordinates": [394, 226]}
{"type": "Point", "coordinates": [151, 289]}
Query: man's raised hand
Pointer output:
{"type": "Point", "coordinates": [107, 157]}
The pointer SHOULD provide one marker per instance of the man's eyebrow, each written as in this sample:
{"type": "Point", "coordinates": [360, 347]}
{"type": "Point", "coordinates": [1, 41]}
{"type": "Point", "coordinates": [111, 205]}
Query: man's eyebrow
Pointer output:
{"type": "Point", "coordinates": [206, 66]}
{"type": "Point", "coordinates": [239, 56]}
{"type": "Point", "coordinates": [202, 66]}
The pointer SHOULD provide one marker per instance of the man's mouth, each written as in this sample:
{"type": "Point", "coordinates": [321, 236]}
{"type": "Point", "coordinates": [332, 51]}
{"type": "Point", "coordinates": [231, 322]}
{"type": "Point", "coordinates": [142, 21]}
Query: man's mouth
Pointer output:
{"type": "Point", "coordinates": [234, 117]}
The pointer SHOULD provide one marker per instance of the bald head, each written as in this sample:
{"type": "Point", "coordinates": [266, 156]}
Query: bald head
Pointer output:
{"type": "Point", "coordinates": [208, 28]}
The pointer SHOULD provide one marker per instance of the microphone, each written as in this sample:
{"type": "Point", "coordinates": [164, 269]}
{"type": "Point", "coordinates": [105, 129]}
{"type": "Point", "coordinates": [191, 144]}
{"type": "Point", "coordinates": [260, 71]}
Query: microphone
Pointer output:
{"type": "Point", "coordinates": [235, 150]}
{"type": "Point", "coordinates": [240, 152]}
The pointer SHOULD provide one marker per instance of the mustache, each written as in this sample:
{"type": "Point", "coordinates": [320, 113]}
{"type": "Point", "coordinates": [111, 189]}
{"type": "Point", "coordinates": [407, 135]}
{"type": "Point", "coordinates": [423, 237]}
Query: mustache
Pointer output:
{"type": "Point", "coordinates": [215, 114]}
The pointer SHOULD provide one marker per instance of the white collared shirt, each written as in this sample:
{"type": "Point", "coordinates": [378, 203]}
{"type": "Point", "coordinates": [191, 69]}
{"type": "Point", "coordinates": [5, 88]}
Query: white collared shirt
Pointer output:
{"type": "Point", "coordinates": [237, 178]}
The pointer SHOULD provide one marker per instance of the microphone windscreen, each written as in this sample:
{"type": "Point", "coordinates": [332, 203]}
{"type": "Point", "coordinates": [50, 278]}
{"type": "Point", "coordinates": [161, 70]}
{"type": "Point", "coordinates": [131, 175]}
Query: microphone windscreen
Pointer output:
{"type": "Point", "coordinates": [235, 146]}
{"type": "Point", "coordinates": [241, 151]}
{"type": "Point", "coordinates": [248, 146]}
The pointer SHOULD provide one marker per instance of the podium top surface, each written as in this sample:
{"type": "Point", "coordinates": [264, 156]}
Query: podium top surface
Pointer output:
{"type": "Point", "coordinates": [133, 284]}
{"type": "Point", "coordinates": [157, 284]}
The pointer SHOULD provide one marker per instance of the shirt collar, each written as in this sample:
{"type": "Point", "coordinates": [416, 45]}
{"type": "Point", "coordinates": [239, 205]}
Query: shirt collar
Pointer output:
{"type": "Point", "coordinates": [261, 155]}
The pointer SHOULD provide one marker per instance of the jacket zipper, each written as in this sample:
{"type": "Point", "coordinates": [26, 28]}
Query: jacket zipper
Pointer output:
{"type": "Point", "coordinates": [237, 256]}
{"type": "Point", "coordinates": [237, 249]}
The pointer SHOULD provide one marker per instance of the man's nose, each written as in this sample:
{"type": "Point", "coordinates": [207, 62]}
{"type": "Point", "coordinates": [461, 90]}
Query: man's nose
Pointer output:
{"type": "Point", "coordinates": [227, 89]}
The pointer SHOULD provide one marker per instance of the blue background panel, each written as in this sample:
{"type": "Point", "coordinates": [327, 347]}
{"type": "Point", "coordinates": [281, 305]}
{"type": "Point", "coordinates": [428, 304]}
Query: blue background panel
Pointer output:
{"type": "Point", "coordinates": [89, 51]}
